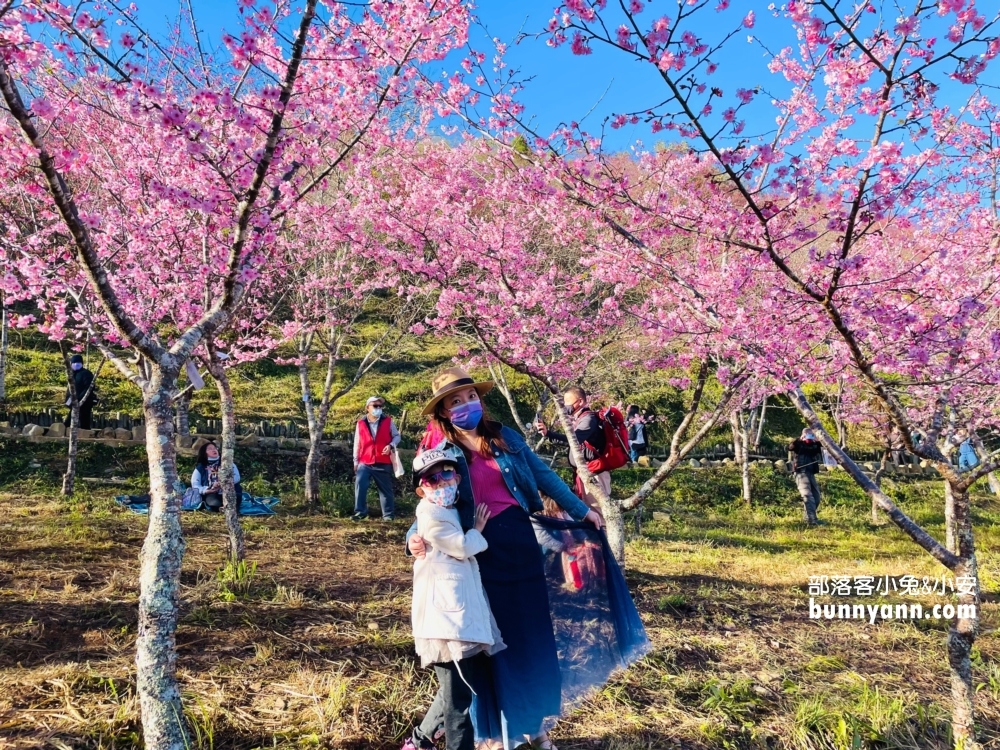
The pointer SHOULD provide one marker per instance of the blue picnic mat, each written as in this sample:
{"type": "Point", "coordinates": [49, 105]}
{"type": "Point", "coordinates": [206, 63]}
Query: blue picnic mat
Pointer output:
{"type": "Point", "coordinates": [249, 505]}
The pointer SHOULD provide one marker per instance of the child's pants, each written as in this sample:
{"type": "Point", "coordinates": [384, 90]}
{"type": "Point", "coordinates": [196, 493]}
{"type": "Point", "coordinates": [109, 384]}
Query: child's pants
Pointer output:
{"type": "Point", "coordinates": [451, 709]}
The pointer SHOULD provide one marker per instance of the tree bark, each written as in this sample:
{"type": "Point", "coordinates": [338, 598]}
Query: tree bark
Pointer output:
{"type": "Point", "coordinates": [949, 518]}
{"type": "Point", "coordinates": [741, 439]}
{"type": "Point", "coordinates": [69, 477]}
{"type": "Point", "coordinates": [230, 502]}
{"type": "Point", "coordinates": [760, 425]}
{"type": "Point", "coordinates": [182, 424]}
{"type": "Point", "coordinates": [159, 576]}
{"type": "Point", "coordinates": [963, 630]}
{"type": "Point", "coordinates": [883, 466]}
{"type": "Point", "coordinates": [3, 347]}
{"type": "Point", "coordinates": [316, 416]}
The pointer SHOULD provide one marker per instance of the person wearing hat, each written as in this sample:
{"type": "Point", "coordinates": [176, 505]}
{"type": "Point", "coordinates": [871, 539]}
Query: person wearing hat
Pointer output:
{"type": "Point", "coordinates": [522, 688]}
{"type": "Point", "coordinates": [453, 627]}
{"type": "Point", "coordinates": [83, 382]}
{"type": "Point", "coordinates": [807, 455]}
{"type": "Point", "coordinates": [375, 438]}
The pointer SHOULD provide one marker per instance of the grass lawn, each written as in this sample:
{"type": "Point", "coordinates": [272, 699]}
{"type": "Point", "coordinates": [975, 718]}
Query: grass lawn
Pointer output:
{"type": "Point", "coordinates": [310, 645]}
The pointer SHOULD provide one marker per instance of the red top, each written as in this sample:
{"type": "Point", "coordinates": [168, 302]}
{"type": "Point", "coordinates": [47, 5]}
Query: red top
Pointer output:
{"type": "Point", "coordinates": [488, 485]}
{"type": "Point", "coordinates": [369, 448]}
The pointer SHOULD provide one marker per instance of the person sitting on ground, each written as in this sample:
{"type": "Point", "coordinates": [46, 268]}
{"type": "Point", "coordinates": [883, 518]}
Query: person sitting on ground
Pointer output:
{"type": "Point", "coordinates": [453, 626]}
{"type": "Point", "coordinates": [807, 454]}
{"type": "Point", "coordinates": [205, 477]}
{"type": "Point", "coordinates": [83, 381]}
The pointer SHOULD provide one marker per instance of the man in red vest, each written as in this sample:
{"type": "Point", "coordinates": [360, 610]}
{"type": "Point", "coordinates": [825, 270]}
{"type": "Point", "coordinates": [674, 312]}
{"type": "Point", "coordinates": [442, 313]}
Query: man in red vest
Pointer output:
{"type": "Point", "coordinates": [375, 438]}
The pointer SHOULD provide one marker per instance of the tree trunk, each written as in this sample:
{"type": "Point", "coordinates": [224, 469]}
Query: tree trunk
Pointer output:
{"type": "Point", "coordinates": [963, 630]}
{"type": "Point", "coordinates": [3, 347]}
{"type": "Point", "coordinates": [614, 521]}
{"type": "Point", "coordinates": [741, 452]}
{"type": "Point", "coordinates": [883, 466]}
{"type": "Point", "coordinates": [74, 425]}
{"type": "Point", "coordinates": [760, 425]}
{"type": "Point", "coordinates": [949, 518]}
{"type": "Point", "coordinates": [182, 424]}
{"type": "Point", "coordinates": [73, 437]}
{"type": "Point", "coordinates": [313, 461]}
{"type": "Point", "coordinates": [159, 576]}
{"type": "Point", "coordinates": [230, 502]}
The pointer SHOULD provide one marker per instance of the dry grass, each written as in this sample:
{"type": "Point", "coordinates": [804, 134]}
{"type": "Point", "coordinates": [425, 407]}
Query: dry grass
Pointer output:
{"type": "Point", "coordinates": [314, 649]}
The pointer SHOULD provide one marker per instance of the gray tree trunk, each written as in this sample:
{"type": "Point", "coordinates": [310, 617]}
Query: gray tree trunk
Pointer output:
{"type": "Point", "coordinates": [883, 466]}
{"type": "Point", "coordinates": [741, 452]}
{"type": "Point", "coordinates": [759, 435]}
{"type": "Point", "coordinates": [3, 348]}
{"type": "Point", "coordinates": [159, 576]}
{"type": "Point", "coordinates": [230, 503]}
{"type": "Point", "coordinates": [949, 518]}
{"type": "Point", "coordinates": [183, 425]}
{"type": "Point", "coordinates": [69, 477]}
{"type": "Point", "coordinates": [963, 630]}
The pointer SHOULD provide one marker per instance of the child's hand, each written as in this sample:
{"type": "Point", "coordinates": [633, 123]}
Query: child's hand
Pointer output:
{"type": "Point", "coordinates": [482, 516]}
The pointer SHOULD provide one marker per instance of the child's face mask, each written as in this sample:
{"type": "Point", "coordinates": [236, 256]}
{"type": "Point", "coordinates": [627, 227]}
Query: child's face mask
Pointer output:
{"type": "Point", "coordinates": [443, 495]}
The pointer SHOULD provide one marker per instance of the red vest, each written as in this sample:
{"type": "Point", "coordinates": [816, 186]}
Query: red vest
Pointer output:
{"type": "Point", "coordinates": [370, 449]}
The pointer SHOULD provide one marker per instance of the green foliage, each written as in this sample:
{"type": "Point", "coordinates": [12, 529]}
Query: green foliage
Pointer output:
{"type": "Point", "coordinates": [236, 579]}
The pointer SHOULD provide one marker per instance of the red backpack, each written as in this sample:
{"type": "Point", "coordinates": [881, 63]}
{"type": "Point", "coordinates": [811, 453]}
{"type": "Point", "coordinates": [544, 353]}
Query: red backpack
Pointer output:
{"type": "Point", "coordinates": [615, 454]}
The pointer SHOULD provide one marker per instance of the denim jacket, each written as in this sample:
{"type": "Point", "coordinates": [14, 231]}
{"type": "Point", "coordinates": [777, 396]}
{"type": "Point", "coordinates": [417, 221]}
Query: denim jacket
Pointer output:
{"type": "Point", "coordinates": [525, 475]}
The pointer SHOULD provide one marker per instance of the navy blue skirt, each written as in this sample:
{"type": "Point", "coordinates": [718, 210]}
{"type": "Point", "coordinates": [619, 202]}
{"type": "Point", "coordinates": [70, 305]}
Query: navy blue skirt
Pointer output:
{"type": "Point", "coordinates": [522, 687]}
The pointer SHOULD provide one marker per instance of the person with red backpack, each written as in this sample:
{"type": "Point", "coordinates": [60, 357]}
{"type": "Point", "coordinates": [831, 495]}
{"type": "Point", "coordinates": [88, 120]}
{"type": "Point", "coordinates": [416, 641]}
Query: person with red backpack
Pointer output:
{"type": "Point", "coordinates": [599, 441]}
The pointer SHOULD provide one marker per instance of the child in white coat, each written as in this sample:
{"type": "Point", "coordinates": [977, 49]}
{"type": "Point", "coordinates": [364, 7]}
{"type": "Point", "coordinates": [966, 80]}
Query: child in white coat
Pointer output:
{"type": "Point", "coordinates": [453, 627]}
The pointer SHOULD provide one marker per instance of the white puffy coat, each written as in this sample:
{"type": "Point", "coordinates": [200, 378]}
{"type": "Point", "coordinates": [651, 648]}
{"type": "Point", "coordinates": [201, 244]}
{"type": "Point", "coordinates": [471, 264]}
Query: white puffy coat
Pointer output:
{"type": "Point", "coordinates": [451, 617]}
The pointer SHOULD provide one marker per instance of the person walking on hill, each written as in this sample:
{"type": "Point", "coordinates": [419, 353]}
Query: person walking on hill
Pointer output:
{"type": "Point", "coordinates": [807, 454]}
{"type": "Point", "coordinates": [590, 434]}
{"type": "Point", "coordinates": [375, 438]}
{"type": "Point", "coordinates": [83, 381]}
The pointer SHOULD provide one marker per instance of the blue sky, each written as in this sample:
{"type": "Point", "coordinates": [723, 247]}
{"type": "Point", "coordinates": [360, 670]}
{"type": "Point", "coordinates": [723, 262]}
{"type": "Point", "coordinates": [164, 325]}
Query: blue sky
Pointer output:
{"type": "Point", "coordinates": [564, 87]}
{"type": "Point", "coordinates": [591, 88]}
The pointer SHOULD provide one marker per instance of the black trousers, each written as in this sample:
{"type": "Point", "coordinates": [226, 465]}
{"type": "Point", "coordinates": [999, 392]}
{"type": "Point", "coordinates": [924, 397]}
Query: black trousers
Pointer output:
{"type": "Point", "coordinates": [213, 500]}
{"type": "Point", "coordinates": [86, 415]}
{"type": "Point", "coordinates": [451, 710]}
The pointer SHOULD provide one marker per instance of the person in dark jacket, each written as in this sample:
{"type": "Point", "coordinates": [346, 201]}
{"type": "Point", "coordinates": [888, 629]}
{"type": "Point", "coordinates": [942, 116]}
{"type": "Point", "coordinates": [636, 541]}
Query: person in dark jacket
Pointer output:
{"type": "Point", "coordinates": [83, 380]}
{"type": "Point", "coordinates": [807, 455]}
{"type": "Point", "coordinates": [590, 434]}
{"type": "Point", "coordinates": [637, 442]}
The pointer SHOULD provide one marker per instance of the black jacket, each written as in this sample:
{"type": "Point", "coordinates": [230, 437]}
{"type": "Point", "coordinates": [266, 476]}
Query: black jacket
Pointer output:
{"type": "Point", "coordinates": [82, 379]}
{"type": "Point", "coordinates": [807, 455]}
{"type": "Point", "coordinates": [588, 429]}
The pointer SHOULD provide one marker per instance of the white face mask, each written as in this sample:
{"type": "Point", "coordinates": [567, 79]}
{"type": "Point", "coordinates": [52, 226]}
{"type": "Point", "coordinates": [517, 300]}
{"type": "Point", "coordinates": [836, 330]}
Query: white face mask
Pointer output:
{"type": "Point", "coordinates": [443, 495]}
{"type": "Point", "coordinates": [377, 413]}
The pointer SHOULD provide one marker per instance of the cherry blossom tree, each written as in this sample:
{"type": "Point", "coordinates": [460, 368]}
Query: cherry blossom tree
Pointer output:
{"type": "Point", "coordinates": [340, 290]}
{"type": "Point", "coordinates": [862, 213]}
{"type": "Point", "coordinates": [236, 145]}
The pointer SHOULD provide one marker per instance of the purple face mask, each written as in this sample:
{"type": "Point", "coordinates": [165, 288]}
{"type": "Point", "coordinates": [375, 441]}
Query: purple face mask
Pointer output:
{"type": "Point", "coordinates": [77, 365]}
{"type": "Point", "coordinates": [466, 416]}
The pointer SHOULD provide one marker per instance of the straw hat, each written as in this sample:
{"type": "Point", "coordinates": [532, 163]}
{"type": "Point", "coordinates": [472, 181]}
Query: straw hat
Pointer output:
{"type": "Point", "coordinates": [451, 380]}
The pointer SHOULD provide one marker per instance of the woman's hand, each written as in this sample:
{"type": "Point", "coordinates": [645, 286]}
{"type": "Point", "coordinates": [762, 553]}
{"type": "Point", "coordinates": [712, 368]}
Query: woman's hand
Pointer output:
{"type": "Point", "coordinates": [416, 546]}
{"type": "Point", "coordinates": [482, 516]}
{"type": "Point", "coordinates": [594, 519]}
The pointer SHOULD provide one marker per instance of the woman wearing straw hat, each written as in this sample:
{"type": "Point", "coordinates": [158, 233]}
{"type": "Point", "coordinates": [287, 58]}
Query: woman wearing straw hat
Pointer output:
{"type": "Point", "coordinates": [521, 689]}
